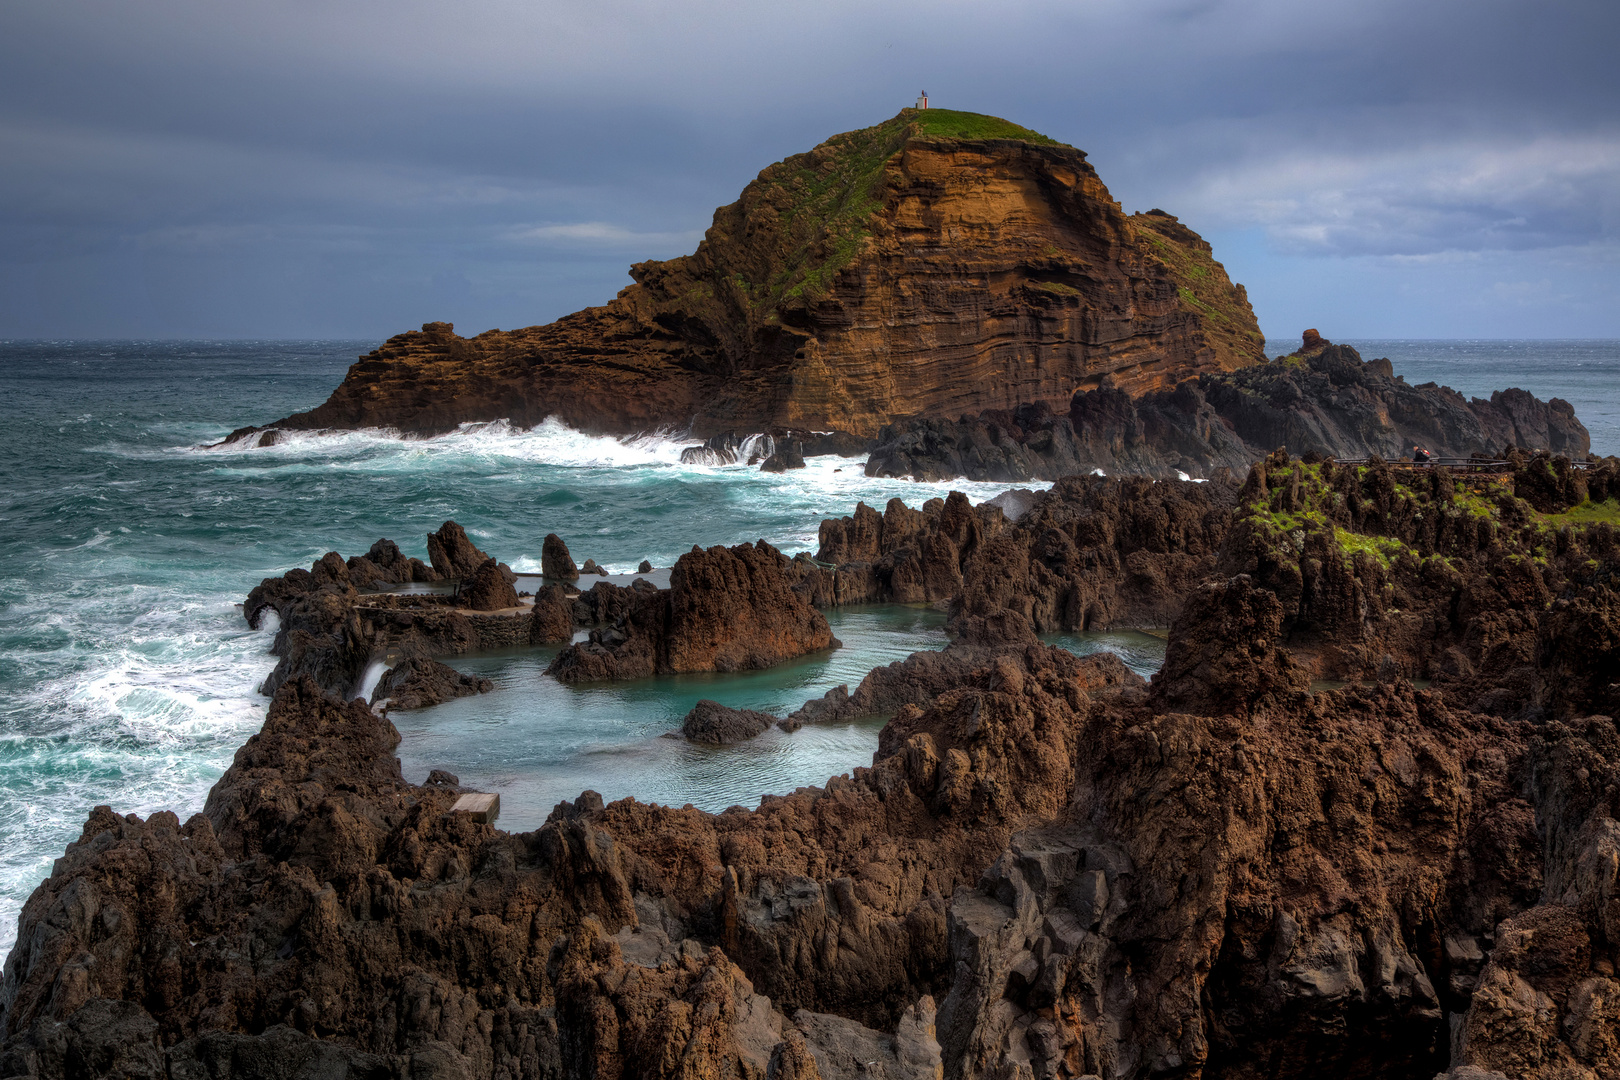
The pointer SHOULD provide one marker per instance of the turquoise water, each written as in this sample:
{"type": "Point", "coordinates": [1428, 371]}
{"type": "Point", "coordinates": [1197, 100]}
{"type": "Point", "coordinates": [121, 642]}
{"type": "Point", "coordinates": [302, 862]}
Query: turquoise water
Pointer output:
{"type": "Point", "coordinates": [535, 741]}
{"type": "Point", "coordinates": [127, 675]}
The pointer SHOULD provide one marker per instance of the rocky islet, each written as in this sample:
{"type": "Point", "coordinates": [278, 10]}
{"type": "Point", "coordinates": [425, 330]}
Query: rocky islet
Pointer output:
{"type": "Point", "coordinates": [935, 264]}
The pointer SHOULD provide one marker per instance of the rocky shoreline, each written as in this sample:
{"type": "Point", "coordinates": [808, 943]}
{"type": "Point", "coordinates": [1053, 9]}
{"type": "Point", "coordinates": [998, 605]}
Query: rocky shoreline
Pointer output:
{"type": "Point", "coordinates": [1320, 400]}
{"type": "Point", "coordinates": [1052, 868]}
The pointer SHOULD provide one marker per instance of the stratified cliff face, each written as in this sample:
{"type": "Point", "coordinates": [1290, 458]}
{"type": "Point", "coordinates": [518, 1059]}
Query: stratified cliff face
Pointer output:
{"type": "Point", "coordinates": [936, 264]}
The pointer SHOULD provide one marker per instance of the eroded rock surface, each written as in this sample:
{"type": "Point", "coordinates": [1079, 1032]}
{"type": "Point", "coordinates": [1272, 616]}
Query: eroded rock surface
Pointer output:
{"type": "Point", "coordinates": [452, 554]}
{"type": "Point", "coordinates": [727, 609]}
{"type": "Point", "coordinates": [1051, 868]}
{"type": "Point", "coordinates": [488, 589]}
{"type": "Point", "coordinates": [417, 683]}
{"type": "Point", "coordinates": [1323, 400]}
{"type": "Point", "coordinates": [555, 561]}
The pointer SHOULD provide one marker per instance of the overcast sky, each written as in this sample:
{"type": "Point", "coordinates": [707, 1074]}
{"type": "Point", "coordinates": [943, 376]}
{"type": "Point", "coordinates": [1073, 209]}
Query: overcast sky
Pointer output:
{"type": "Point", "coordinates": [353, 168]}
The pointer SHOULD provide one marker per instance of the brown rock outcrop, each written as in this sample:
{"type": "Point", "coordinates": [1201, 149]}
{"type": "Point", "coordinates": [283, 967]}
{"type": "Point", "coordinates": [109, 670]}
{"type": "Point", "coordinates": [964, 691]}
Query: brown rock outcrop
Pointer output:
{"type": "Point", "coordinates": [902, 555]}
{"type": "Point", "coordinates": [937, 264]}
{"type": "Point", "coordinates": [385, 565]}
{"type": "Point", "coordinates": [553, 618]}
{"type": "Point", "coordinates": [1095, 553]}
{"type": "Point", "coordinates": [555, 561]}
{"type": "Point", "coordinates": [452, 554]}
{"type": "Point", "coordinates": [487, 589]}
{"type": "Point", "coordinates": [419, 682]}
{"type": "Point", "coordinates": [727, 609]}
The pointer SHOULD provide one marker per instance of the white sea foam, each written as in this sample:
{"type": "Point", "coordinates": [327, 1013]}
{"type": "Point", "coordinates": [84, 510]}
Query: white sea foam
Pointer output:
{"type": "Point", "coordinates": [368, 681]}
{"type": "Point", "coordinates": [550, 442]}
{"type": "Point", "coordinates": [154, 701]}
{"type": "Point", "coordinates": [148, 682]}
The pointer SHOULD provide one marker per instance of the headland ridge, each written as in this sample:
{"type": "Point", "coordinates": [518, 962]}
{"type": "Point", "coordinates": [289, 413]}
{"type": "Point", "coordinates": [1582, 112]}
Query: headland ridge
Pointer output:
{"type": "Point", "coordinates": [936, 264]}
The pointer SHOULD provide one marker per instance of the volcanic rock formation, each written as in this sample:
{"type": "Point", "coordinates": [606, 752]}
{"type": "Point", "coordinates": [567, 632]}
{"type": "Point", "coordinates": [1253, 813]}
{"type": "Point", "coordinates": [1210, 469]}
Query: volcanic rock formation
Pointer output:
{"type": "Point", "coordinates": [555, 561]}
{"type": "Point", "coordinates": [452, 554]}
{"type": "Point", "coordinates": [1324, 400]}
{"type": "Point", "coordinates": [419, 682]}
{"type": "Point", "coordinates": [1051, 869]}
{"type": "Point", "coordinates": [727, 609]}
{"type": "Point", "coordinates": [937, 264]}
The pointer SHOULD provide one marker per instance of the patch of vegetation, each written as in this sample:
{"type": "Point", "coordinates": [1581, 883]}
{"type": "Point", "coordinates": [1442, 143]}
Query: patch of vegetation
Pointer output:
{"type": "Point", "coordinates": [1476, 501]}
{"type": "Point", "coordinates": [824, 201]}
{"type": "Point", "coordinates": [1385, 549]}
{"type": "Point", "coordinates": [1057, 287]}
{"type": "Point", "coordinates": [951, 124]}
{"type": "Point", "coordinates": [1283, 522]}
{"type": "Point", "coordinates": [1586, 513]}
{"type": "Point", "coordinates": [1204, 288]}
{"type": "Point", "coordinates": [1190, 298]}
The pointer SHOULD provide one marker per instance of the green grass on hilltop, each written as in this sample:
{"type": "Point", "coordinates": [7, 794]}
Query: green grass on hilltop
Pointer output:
{"type": "Point", "coordinates": [831, 194]}
{"type": "Point", "coordinates": [951, 124]}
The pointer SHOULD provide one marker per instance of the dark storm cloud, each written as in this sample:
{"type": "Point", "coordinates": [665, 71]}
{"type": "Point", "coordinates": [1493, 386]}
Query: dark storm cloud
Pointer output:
{"type": "Point", "coordinates": [281, 167]}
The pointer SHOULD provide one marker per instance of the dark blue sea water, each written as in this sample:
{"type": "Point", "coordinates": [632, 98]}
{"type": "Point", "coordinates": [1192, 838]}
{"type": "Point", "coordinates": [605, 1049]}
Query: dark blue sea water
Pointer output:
{"type": "Point", "coordinates": [127, 675]}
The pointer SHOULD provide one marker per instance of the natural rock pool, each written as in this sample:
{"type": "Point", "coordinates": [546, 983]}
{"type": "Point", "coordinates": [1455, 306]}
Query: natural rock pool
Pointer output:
{"type": "Point", "coordinates": [536, 742]}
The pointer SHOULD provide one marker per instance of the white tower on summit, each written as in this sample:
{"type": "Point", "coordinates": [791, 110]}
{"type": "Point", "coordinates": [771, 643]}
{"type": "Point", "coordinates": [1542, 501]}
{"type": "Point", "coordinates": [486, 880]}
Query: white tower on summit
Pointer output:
{"type": "Point", "coordinates": [922, 100]}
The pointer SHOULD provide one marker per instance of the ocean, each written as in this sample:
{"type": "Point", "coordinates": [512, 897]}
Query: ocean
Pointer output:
{"type": "Point", "coordinates": [128, 677]}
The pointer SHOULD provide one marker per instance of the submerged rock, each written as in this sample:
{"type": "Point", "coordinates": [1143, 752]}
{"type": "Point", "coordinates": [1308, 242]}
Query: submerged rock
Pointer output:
{"type": "Point", "coordinates": [712, 722]}
{"type": "Point", "coordinates": [729, 449]}
{"type": "Point", "coordinates": [788, 455]}
{"type": "Point", "coordinates": [419, 682]}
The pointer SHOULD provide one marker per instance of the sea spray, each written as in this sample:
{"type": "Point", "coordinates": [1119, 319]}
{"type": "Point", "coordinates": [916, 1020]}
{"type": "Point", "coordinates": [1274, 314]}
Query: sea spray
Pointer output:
{"type": "Point", "coordinates": [130, 677]}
